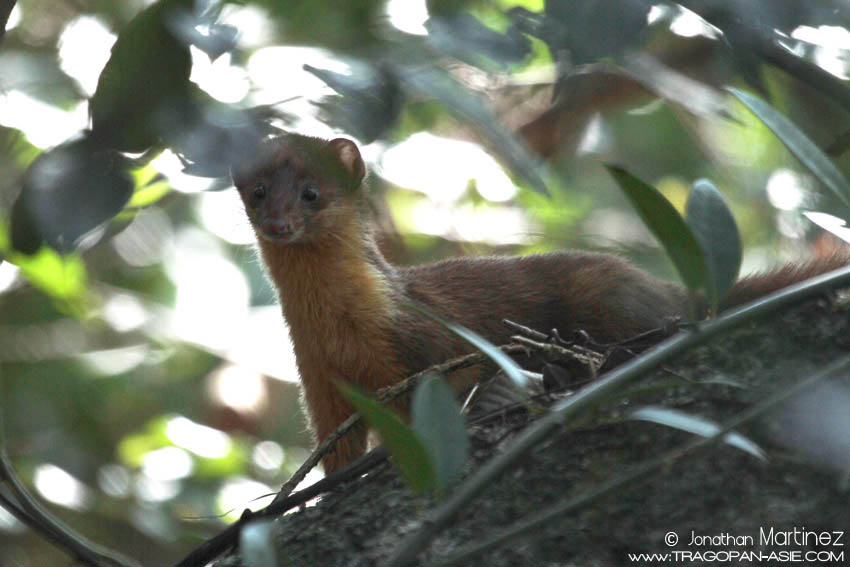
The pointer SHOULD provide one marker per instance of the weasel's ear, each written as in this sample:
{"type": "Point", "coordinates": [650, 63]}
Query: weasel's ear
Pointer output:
{"type": "Point", "coordinates": [349, 156]}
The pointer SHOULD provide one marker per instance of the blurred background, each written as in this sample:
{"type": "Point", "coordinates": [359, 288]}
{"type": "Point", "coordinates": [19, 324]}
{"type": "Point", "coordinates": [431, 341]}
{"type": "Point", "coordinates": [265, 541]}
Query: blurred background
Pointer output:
{"type": "Point", "coordinates": [148, 389]}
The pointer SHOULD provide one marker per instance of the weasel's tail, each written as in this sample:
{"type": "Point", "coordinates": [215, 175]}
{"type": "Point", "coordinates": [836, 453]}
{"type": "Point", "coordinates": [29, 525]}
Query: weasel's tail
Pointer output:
{"type": "Point", "coordinates": [754, 286]}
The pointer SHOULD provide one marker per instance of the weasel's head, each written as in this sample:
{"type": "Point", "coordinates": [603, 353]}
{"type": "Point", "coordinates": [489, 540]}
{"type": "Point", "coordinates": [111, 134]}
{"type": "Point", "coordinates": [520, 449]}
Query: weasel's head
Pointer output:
{"type": "Point", "coordinates": [297, 188]}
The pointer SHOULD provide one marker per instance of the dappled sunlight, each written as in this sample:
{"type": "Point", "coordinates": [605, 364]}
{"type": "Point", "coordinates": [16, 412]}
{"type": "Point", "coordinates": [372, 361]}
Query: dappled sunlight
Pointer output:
{"type": "Point", "coordinates": [253, 23]}
{"type": "Point", "coordinates": [408, 16]}
{"type": "Point", "coordinates": [223, 214]}
{"type": "Point", "coordinates": [146, 240]}
{"type": "Point", "coordinates": [170, 166]}
{"type": "Point", "coordinates": [278, 76]}
{"type": "Point", "coordinates": [167, 464]}
{"type": "Point", "coordinates": [124, 312]}
{"type": "Point", "coordinates": [14, 18]}
{"type": "Point", "coordinates": [268, 456]}
{"type": "Point", "coordinates": [239, 388]}
{"type": "Point", "coordinates": [832, 47]}
{"type": "Point", "coordinates": [212, 293]}
{"type": "Point", "coordinates": [466, 223]}
{"type": "Point", "coordinates": [8, 276]}
{"type": "Point", "coordinates": [238, 493]}
{"type": "Point", "coordinates": [115, 361]}
{"type": "Point", "coordinates": [114, 480]}
{"type": "Point", "coordinates": [787, 189]}
{"type": "Point", "coordinates": [148, 489]}
{"type": "Point", "coordinates": [43, 124]}
{"type": "Point", "coordinates": [221, 80]}
{"type": "Point", "coordinates": [261, 343]}
{"type": "Point", "coordinates": [59, 487]}
{"type": "Point", "coordinates": [84, 49]}
{"type": "Point", "coordinates": [406, 165]}
{"type": "Point", "coordinates": [689, 24]}
{"type": "Point", "coordinates": [201, 440]}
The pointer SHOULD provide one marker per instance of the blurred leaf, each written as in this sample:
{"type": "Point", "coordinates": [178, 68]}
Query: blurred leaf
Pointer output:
{"type": "Point", "coordinates": [696, 425]}
{"type": "Point", "coordinates": [583, 30]}
{"type": "Point", "coordinates": [257, 544]}
{"type": "Point", "coordinates": [345, 27]}
{"type": "Point", "coordinates": [439, 424]}
{"type": "Point", "coordinates": [67, 192]}
{"type": "Point", "coordinates": [401, 442]}
{"type": "Point", "coordinates": [799, 144]}
{"type": "Point", "coordinates": [369, 104]}
{"type": "Point", "coordinates": [15, 147]}
{"type": "Point", "coordinates": [211, 135]}
{"type": "Point", "coordinates": [217, 38]}
{"type": "Point", "coordinates": [505, 362]}
{"type": "Point", "coordinates": [63, 278]}
{"type": "Point", "coordinates": [698, 98]}
{"type": "Point", "coordinates": [667, 225]}
{"type": "Point", "coordinates": [439, 84]}
{"type": "Point", "coordinates": [151, 186]}
{"type": "Point", "coordinates": [143, 88]}
{"type": "Point", "coordinates": [714, 227]}
{"type": "Point", "coordinates": [465, 37]}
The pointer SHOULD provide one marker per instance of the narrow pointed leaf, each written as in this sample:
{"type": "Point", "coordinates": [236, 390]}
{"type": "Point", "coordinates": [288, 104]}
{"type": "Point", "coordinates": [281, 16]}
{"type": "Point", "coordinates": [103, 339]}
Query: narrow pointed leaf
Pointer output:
{"type": "Point", "coordinates": [441, 427]}
{"type": "Point", "coordinates": [714, 227]}
{"type": "Point", "coordinates": [405, 448]}
{"type": "Point", "coordinates": [667, 225]}
{"type": "Point", "coordinates": [697, 426]}
{"type": "Point", "coordinates": [505, 362]}
{"type": "Point", "coordinates": [830, 223]}
{"type": "Point", "coordinates": [67, 192]}
{"type": "Point", "coordinates": [798, 144]}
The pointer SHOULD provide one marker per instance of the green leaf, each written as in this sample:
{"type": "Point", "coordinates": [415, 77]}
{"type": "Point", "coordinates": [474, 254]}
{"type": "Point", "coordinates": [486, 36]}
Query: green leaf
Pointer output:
{"type": "Point", "coordinates": [667, 225]}
{"type": "Point", "coordinates": [505, 362]}
{"type": "Point", "coordinates": [67, 192]}
{"type": "Point", "coordinates": [405, 448]}
{"type": "Point", "coordinates": [441, 427]}
{"type": "Point", "coordinates": [257, 544]}
{"type": "Point", "coordinates": [63, 278]}
{"type": "Point", "coordinates": [149, 194]}
{"type": "Point", "coordinates": [142, 90]}
{"type": "Point", "coordinates": [713, 225]}
{"type": "Point", "coordinates": [697, 426]}
{"type": "Point", "coordinates": [798, 144]}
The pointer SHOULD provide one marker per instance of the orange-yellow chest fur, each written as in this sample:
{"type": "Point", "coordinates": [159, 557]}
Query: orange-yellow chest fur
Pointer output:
{"type": "Point", "coordinates": [339, 310]}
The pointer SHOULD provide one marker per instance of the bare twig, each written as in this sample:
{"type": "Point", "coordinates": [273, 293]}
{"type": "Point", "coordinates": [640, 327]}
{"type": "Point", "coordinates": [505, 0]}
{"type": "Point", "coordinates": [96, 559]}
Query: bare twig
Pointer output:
{"type": "Point", "coordinates": [593, 360]}
{"type": "Point", "coordinates": [286, 499]}
{"type": "Point", "coordinates": [384, 395]}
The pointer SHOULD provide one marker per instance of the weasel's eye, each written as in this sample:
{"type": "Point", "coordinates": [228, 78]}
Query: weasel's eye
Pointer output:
{"type": "Point", "coordinates": [259, 191]}
{"type": "Point", "coordinates": [310, 193]}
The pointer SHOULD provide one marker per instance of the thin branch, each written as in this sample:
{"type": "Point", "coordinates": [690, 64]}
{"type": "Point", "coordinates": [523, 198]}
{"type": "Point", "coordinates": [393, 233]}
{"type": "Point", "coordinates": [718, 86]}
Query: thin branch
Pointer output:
{"type": "Point", "coordinates": [286, 500]}
{"type": "Point", "coordinates": [227, 538]}
{"type": "Point", "coordinates": [585, 398]}
{"type": "Point", "coordinates": [384, 395]}
{"type": "Point", "coordinates": [27, 509]}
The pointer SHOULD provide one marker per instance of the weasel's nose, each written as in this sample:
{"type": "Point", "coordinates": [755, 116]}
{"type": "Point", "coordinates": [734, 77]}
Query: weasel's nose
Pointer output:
{"type": "Point", "coordinates": [277, 228]}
